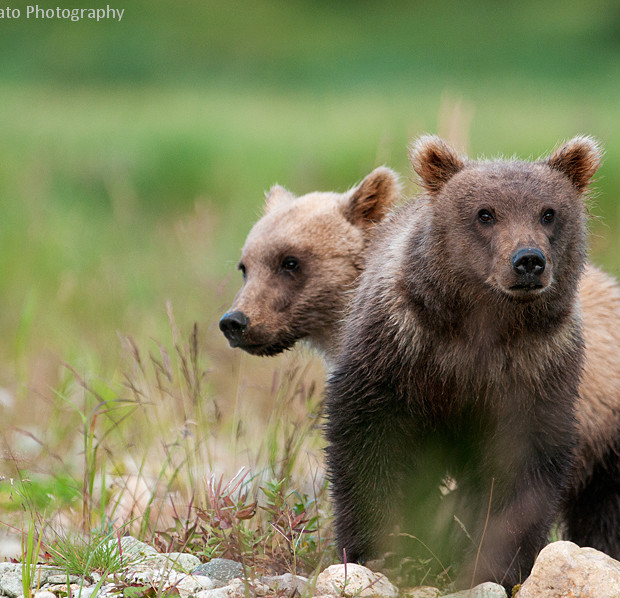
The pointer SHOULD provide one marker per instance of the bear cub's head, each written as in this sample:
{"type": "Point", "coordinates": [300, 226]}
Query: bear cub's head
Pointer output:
{"type": "Point", "coordinates": [512, 226]}
{"type": "Point", "coordinates": [300, 260]}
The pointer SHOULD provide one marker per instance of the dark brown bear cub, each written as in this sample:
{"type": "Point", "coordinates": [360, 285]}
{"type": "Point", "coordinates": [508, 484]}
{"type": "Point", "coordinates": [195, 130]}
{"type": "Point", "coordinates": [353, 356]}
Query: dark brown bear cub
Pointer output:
{"type": "Point", "coordinates": [463, 345]}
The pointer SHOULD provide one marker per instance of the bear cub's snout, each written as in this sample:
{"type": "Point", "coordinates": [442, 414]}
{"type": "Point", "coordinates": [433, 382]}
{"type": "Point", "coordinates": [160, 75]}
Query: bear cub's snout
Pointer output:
{"type": "Point", "coordinates": [233, 324]}
{"type": "Point", "coordinates": [528, 264]}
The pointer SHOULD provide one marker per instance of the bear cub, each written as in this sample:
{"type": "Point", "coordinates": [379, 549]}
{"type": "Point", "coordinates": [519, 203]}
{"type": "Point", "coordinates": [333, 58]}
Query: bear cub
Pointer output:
{"type": "Point", "coordinates": [299, 262]}
{"type": "Point", "coordinates": [463, 346]}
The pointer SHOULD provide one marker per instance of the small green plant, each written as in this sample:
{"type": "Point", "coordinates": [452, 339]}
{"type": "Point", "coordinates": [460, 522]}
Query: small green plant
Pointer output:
{"type": "Point", "coordinates": [31, 547]}
{"type": "Point", "coordinates": [141, 590]}
{"type": "Point", "coordinates": [265, 528]}
{"type": "Point", "coordinates": [80, 554]}
{"type": "Point", "coordinates": [99, 401]}
{"type": "Point", "coordinates": [295, 519]}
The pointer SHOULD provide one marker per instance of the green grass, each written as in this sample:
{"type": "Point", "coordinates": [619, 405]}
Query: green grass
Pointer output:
{"type": "Point", "coordinates": [119, 202]}
{"type": "Point", "coordinates": [312, 47]}
{"type": "Point", "coordinates": [98, 552]}
{"type": "Point", "coordinates": [133, 160]}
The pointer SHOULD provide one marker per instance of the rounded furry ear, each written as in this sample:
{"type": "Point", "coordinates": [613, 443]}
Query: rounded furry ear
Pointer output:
{"type": "Point", "coordinates": [578, 159]}
{"type": "Point", "coordinates": [370, 201]}
{"type": "Point", "coordinates": [276, 196]}
{"type": "Point", "coordinates": [434, 161]}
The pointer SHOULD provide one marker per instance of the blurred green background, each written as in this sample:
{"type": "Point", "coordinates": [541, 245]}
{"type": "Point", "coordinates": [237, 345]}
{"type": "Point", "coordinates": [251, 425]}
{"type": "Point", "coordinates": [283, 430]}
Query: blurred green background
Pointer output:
{"type": "Point", "coordinates": [134, 154]}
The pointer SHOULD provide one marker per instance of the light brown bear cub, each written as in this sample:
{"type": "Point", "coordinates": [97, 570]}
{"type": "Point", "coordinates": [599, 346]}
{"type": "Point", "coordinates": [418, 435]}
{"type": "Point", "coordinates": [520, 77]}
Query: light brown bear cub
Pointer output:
{"type": "Point", "coordinates": [464, 346]}
{"type": "Point", "coordinates": [299, 262]}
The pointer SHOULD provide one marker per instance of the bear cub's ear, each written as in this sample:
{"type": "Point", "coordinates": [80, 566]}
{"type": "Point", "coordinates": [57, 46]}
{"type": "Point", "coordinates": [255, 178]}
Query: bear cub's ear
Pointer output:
{"type": "Point", "coordinates": [370, 201]}
{"type": "Point", "coordinates": [578, 159]}
{"type": "Point", "coordinates": [276, 196]}
{"type": "Point", "coordinates": [434, 161]}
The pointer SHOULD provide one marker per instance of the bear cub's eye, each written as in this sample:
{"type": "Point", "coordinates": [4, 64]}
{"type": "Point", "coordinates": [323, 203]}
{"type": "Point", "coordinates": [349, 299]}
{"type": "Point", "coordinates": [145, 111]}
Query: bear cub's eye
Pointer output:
{"type": "Point", "coordinates": [241, 267]}
{"type": "Point", "coordinates": [548, 217]}
{"type": "Point", "coordinates": [485, 217]}
{"type": "Point", "coordinates": [290, 264]}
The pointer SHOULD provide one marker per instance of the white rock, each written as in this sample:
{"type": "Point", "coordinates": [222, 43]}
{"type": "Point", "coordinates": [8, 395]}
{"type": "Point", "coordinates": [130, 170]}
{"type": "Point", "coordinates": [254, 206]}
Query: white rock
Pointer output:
{"type": "Point", "coordinates": [106, 590]}
{"type": "Point", "coordinates": [135, 547]}
{"type": "Point", "coordinates": [205, 583]}
{"type": "Point", "coordinates": [286, 583]}
{"type": "Point", "coordinates": [60, 579]}
{"type": "Point", "coordinates": [61, 589]}
{"type": "Point", "coordinates": [356, 581]}
{"type": "Point", "coordinates": [564, 569]}
{"type": "Point", "coordinates": [484, 590]}
{"type": "Point", "coordinates": [182, 560]}
{"type": "Point", "coordinates": [141, 575]}
{"type": "Point", "coordinates": [259, 589]}
{"type": "Point", "coordinates": [190, 584]}
{"type": "Point", "coordinates": [45, 594]}
{"type": "Point", "coordinates": [11, 582]}
{"type": "Point", "coordinates": [152, 561]}
{"type": "Point", "coordinates": [169, 576]}
{"type": "Point", "coordinates": [87, 592]}
{"type": "Point", "coordinates": [235, 589]}
{"type": "Point", "coordinates": [9, 568]}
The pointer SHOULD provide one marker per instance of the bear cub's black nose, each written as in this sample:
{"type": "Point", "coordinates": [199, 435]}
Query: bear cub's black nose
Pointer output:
{"type": "Point", "coordinates": [233, 324]}
{"type": "Point", "coordinates": [529, 262]}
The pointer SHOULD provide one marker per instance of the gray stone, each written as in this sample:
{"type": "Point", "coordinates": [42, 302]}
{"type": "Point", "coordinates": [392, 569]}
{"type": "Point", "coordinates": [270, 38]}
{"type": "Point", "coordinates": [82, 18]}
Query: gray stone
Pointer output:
{"type": "Point", "coordinates": [221, 571]}
{"type": "Point", "coordinates": [46, 594]}
{"type": "Point", "coordinates": [11, 578]}
{"type": "Point", "coordinates": [564, 569]}
{"type": "Point", "coordinates": [43, 573]}
{"type": "Point", "coordinates": [484, 590]}
{"type": "Point", "coordinates": [354, 580]}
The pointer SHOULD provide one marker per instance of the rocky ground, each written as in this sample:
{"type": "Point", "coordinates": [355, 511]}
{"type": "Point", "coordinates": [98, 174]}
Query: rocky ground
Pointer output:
{"type": "Point", "coordinates": [562, 570]}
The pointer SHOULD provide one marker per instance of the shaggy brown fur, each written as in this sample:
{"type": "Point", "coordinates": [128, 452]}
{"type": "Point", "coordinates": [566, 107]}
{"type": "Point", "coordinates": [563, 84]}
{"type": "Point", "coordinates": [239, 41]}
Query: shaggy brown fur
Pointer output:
{"type": "Point", "coordinates": [591, 512]}
{"type": "Point", "coordinates": [300, 260]}
{"type": "Point", "coordinates": [464, 342]}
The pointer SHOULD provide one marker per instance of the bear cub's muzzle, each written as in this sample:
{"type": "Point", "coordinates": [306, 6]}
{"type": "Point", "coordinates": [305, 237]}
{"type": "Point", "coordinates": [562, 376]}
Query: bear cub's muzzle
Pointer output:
{"type": "Point", "coordinates": [234, 324]}
{"type": "Point", "coordinates": [528, 265]}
